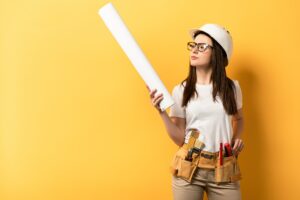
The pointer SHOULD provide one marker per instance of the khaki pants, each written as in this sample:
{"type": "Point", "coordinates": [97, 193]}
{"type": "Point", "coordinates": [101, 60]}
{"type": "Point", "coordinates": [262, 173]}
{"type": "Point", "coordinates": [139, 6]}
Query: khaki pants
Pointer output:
{"type": "Point", "coordinates": [203, 181]}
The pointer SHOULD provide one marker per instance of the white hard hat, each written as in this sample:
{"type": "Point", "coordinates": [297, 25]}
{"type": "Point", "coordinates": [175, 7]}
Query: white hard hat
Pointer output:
{"type": "Point", "coordinates": [219, 33]}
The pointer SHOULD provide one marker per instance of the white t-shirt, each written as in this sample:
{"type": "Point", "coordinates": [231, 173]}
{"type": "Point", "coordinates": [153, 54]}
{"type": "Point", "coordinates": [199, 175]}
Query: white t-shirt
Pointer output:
{"type": "Point", "coordinates": [202, 113]}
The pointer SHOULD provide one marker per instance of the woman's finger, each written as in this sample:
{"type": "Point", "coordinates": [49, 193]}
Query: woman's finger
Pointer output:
{"type": "Point", "coordinates": [241, 146]}
{"type": "Point", "coordinates": [239, 143]}
{"type": "Point", "coordinates": [152, 93]}
{"type": "Point", "coordinates": [157, 99]}
{"type": "Point", "coordinates": [235, 144]}
{"type": "Point", "coordinates": [157, 104]}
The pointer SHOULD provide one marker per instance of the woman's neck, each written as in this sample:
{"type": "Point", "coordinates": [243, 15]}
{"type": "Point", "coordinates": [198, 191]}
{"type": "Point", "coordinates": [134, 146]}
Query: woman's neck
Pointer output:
{"type": "Point", "coordinates": [203, 75]}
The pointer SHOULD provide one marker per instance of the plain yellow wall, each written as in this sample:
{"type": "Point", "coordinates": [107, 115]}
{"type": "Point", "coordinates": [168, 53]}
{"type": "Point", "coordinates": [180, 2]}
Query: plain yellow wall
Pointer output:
{"type": "Point", "coordinates": [76, 118]}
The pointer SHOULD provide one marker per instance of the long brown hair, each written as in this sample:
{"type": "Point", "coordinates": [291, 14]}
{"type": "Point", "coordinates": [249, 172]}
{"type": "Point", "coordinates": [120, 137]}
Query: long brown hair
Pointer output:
{"type": "Point", "coordinates": [222, 85]}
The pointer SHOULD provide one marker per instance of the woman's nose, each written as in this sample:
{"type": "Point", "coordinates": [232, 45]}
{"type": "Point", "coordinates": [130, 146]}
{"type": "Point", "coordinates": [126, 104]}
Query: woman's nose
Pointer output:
{"type": "Point", "coordinates": [195, 50]}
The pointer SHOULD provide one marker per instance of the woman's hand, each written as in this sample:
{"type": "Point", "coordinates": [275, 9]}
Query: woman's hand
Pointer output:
{"type": "Point", "coordinates": [238, 145]}
{"type": "Point", "coordinates": [155, 100]}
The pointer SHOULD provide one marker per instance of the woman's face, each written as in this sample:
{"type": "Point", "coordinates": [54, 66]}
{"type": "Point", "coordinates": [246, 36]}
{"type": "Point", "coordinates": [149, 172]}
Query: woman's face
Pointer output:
{"type": "Point", "coordinates": [201, 59]}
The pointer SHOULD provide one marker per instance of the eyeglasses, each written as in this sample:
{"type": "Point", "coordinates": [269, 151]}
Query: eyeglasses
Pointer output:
{"type": "Point", "coordinates": [200, 46]}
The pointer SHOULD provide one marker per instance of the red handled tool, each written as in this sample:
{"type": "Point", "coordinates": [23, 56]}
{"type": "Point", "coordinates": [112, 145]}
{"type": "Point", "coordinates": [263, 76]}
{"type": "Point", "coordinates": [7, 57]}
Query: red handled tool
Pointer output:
{"type": "Point", "coordinates": [228, 150]}
{"type": "Point", "coordinates": [221, 154]}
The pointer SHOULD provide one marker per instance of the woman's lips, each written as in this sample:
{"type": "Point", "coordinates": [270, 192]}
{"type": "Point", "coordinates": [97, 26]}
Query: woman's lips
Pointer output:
{"type": "Point", "coordinates": [194, 57]}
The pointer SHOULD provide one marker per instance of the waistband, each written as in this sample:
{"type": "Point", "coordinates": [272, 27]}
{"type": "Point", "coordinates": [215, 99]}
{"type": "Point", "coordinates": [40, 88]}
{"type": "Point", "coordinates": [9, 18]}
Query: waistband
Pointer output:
{"type": "Point", "coordinates": [205, 154]}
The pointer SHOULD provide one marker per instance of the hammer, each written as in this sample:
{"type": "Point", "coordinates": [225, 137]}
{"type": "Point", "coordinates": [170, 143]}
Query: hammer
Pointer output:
{"type": "Point", "coordinates": [198, 147]}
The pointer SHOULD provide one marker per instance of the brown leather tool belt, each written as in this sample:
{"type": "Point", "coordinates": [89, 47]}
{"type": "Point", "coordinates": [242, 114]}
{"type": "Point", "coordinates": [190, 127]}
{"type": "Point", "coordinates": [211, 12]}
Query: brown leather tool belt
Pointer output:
{"type": "Point", "coordinates": [229, 171]}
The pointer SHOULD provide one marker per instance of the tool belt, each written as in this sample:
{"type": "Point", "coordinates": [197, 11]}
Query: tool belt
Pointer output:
{"type": "Point", "coordinates": [226, 171]}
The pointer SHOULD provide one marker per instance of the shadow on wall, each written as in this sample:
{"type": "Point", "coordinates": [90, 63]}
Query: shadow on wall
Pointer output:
{"type": "Point", "coordinates": [252, 163]}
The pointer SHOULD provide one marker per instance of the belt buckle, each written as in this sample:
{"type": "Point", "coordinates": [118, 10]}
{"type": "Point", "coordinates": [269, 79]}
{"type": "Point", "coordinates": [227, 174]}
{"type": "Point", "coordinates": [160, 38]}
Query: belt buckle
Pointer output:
{"type": "Point", "coordinates": [208, 156]}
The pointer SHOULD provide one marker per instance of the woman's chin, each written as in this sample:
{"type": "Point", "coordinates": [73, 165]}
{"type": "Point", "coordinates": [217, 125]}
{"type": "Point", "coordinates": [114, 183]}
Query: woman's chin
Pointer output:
{"type": "Point", "coordinates": [201, 65]}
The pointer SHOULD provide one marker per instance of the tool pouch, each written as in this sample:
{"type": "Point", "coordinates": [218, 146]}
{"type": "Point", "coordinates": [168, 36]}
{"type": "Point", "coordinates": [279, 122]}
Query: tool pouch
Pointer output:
{"type": "Point", "coordinates": [183, 168]}
{"type": "Point", "coordinates": [229, 171]}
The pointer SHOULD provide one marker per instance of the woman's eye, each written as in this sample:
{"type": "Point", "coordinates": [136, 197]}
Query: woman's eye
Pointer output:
{"type": "Point", "coordinates": [202, 46]}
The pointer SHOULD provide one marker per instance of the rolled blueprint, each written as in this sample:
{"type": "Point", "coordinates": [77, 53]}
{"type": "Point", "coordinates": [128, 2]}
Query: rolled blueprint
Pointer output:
{"type": "Point", "coordinates": [118, 29]}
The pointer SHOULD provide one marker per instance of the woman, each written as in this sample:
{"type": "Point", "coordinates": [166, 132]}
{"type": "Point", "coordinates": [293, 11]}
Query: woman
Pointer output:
{"type": "Point", "coordinates": [208, 101]}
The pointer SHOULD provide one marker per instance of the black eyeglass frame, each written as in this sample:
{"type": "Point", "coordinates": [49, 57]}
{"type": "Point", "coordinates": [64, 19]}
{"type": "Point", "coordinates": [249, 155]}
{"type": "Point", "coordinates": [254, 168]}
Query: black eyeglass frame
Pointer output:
{"type": "Point", "coordinates": [198, 46]}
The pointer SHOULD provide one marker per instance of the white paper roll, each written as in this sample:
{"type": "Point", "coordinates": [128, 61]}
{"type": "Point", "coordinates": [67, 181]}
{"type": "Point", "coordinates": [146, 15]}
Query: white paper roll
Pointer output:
{"type": "Point", "coordinates": [127, 42]}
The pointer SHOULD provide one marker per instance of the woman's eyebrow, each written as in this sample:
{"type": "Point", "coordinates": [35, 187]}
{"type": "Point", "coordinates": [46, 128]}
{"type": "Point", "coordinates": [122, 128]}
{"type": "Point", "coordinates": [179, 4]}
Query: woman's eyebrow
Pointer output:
{"type": "Point", "coordinates": [201, 43]}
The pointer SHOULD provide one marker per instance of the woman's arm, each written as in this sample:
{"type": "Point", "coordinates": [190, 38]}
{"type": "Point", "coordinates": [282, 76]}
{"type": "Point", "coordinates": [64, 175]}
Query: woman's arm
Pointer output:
{"type": "Point", "coordinates": [175, 127]}
{"type": "Point", "coordinates": [238, 126]}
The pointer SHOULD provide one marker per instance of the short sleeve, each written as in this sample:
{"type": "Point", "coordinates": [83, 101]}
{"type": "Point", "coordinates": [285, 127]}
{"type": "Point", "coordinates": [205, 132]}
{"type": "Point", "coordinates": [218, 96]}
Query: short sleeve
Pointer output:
{"type": "Point", "coordinates": [239, 98]}
{"type": "Point", "coordinates": [176, 110]}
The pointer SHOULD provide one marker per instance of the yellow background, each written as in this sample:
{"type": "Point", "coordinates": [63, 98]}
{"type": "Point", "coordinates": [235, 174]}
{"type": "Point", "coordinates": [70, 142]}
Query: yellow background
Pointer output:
{"type": "Point", "coordinates": [76, 118]}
